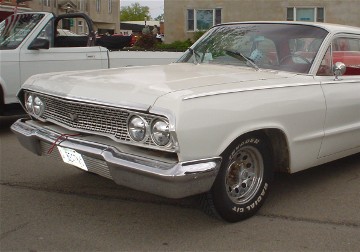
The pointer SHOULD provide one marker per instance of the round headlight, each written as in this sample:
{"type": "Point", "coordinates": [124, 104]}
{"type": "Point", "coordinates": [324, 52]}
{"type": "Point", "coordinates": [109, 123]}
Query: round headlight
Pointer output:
{"type": "Point", "coordinates": [29, 103]}
{"type": "Point", "coordinates": [160, 132]}
{"type": "Point", "coordinates": [39, 106]}
{"type": "Point", "coordinates": [137, 128]}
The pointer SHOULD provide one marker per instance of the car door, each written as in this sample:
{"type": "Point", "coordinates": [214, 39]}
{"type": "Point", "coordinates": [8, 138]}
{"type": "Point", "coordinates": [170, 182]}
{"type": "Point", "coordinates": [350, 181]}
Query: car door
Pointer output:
{"type": "Point", "coordinates": [9, 74]}
{"type": "Point", "coordinates": [14, 31]}
{"type": "Point", "coordinates": [342, 94]}
{"type": "Point", "coordinates": [64, 58]}
{"type": "Point", "coordinates": [61, 59]}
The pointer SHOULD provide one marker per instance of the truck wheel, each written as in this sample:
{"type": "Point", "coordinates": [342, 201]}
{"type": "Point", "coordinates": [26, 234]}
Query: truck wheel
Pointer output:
{"type": "Point", "coordinates": [243, 181]}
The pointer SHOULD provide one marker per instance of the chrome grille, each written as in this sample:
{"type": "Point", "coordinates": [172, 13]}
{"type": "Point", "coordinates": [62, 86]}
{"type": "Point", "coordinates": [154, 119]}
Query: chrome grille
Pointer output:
{"type": "Point", "coordinates": [90, 118]}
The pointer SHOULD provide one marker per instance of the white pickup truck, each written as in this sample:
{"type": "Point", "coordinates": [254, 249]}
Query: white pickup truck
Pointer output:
{"type": "Point", "coordinates": [36, 42]}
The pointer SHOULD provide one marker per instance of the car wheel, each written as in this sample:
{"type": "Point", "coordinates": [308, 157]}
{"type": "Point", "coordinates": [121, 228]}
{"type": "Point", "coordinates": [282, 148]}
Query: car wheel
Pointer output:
{"type": "Point", "coordinates": [243, 181]}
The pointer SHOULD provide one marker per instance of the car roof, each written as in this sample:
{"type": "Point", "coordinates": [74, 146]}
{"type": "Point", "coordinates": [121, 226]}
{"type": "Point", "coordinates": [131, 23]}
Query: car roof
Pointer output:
{"type": "Point", "coordinates": [331, 28]}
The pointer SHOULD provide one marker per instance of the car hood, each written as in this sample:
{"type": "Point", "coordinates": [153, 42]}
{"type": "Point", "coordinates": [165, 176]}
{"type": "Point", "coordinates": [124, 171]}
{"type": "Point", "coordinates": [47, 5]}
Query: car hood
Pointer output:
{"type": "Point", "coordinates": [142, 86]}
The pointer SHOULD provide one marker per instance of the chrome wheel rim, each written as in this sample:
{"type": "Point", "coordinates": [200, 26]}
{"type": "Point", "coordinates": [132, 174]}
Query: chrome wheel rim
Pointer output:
{"type": "Point", "coordinates": [244, 174]}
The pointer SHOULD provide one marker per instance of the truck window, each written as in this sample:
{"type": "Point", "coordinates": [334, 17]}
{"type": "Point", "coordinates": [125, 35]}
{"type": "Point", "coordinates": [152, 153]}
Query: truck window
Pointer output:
{"type": "Point", "coordinates": [16, 28]}
{"type": "Point", "coordinates": [68, 34]}
{"type": "Point", "coordinates": [48, 33]}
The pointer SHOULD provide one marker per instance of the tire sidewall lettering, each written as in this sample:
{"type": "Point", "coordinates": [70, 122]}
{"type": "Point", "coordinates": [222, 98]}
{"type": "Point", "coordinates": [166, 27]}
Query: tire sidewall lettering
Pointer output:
{"type": "Point", "coordinates": [252, 204]}
{"type": "Point", "coordinates": [256, 202]}
{"type": "Point", "coordinates": [254, 141]}
{"type": "Point", "coordinates": [228, 208]}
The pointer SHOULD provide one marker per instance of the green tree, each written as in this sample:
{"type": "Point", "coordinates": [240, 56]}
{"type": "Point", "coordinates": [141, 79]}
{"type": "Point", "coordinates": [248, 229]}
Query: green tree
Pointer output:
{"type": "Point", "coordinates": [159, 18]}
{"type": "Point", "coordinates": [135, 12]}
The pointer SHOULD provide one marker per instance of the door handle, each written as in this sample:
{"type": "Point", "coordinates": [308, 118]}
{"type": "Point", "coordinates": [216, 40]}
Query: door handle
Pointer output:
{"type": "Point", "coordinates": [90, 56]}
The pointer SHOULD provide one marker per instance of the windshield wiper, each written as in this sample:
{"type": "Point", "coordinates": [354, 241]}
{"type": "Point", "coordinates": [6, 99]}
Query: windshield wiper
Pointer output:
{"type": "Point", "coordinates": [242, 57]}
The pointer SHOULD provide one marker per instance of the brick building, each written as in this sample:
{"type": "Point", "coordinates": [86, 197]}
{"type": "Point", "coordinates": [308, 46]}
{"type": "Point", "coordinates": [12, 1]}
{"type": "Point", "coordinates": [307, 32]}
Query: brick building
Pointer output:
{"type": "Point", "coordinates": [184, 17]}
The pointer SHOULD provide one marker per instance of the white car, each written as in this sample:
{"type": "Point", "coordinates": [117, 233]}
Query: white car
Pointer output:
{"type": "Point", "coordinates": [246, 100]}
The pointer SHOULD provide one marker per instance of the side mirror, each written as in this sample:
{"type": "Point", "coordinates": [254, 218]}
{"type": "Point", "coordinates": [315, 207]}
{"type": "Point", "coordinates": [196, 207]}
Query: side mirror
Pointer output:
{"type": "Point", "coordinates": [39, 43]}
{"type": "Point", "coordinates": [339, 69]}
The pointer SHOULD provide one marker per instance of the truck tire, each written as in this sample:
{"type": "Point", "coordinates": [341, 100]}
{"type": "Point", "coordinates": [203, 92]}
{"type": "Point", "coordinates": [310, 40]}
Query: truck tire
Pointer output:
{"type": "Point", "coordinates": [243, 182]}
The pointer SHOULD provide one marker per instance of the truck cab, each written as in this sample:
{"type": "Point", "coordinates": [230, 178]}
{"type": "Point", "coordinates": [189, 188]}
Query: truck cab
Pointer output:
{"type": "Point", "coordinates": [40, 42]}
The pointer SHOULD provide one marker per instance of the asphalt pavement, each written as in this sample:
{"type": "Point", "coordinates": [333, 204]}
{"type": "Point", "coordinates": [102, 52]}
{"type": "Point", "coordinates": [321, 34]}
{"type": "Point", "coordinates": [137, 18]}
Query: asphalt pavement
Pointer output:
{"type": "Point", "coordinates": [46, 205]}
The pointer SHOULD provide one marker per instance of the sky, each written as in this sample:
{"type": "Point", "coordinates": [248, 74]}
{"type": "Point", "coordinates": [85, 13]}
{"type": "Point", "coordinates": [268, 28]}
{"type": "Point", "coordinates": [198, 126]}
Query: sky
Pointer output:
{"type": "Point", "coordinates": [156, 6]}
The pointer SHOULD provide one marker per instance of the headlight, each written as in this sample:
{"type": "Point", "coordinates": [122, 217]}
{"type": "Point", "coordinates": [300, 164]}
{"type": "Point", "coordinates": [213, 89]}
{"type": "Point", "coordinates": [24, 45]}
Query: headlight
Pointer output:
{"type": "Point", "coordinates": [160, 132]}
{"type": "Point", "coordinates": [29, 103]}
{"type": "Point", "coordinates": [137, 128]}
{"type": "Point", "coordinates": [38, 106]}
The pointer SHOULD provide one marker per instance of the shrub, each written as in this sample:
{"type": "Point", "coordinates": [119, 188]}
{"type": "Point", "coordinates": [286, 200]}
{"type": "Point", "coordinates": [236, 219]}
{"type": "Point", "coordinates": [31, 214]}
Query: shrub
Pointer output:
{"type": "Point", "coordinates": [198, 34]}
{"type": "Point", "coordinates": [175, 46]}
{"type": "Point", "coordinates": [146, 41]}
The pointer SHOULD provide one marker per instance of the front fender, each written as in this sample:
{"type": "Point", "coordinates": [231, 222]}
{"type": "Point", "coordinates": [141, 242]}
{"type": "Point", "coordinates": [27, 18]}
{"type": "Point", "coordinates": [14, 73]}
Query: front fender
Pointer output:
{"type": "Point", "coordinates": [207, 125]}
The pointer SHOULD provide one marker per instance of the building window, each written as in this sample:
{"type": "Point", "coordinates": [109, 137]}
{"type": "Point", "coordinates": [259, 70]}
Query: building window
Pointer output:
{"type": "Point", "coordinates": [82, 5]}
{"type": "Point", "coordinates": [217, 16]}
{"type": "Point", "coordinates": [109, 6]}
{"type": "Point", "coordinates": [80, 27]}
{"type": "Point", "coordinates": [46, 3]}
{"type": "Point", "coordinates": [98, 4]}
{"type": "Point", "coordinates": [305, 14]}
{"type": "Point", "coordinates": [191, 19]}
{"type": "Point", "coordinates": [202, 19]}
{"type": "Point", "coordinates": [320, 15]}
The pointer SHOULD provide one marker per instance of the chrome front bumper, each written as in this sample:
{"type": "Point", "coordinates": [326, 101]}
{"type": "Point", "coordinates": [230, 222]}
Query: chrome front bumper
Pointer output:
{"type": "Point", "coordinates": [168, 179]}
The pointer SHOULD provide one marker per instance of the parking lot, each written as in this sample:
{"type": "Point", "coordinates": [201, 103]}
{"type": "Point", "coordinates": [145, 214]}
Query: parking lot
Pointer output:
{"type": "Point", "coordinates": [47, 205]}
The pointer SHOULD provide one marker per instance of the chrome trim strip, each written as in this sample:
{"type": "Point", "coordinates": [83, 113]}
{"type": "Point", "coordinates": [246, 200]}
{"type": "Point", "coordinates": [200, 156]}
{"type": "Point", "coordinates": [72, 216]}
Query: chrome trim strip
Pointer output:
{"type": "Point", "coordinates": [248, 89]}
{"type": "Point", "coordinates": [120, 105]}
{"type": "Point", "coordinates": [340, 81]}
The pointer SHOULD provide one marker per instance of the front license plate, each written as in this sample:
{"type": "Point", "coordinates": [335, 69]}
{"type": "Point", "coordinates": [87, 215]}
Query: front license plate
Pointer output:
{"type": "Point", "coordinates": [70, 156]}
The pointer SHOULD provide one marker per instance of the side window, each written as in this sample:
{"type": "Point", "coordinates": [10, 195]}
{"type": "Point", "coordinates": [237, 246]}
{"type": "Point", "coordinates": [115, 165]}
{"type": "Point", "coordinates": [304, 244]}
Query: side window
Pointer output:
{"type": "Point", "coordinates": [72, 32]}
{"type": "Point", "coordinates": [15, 29]}
{"type": "Point", "coordinates": [345, 50]}
{"type": "Point", "coordinates": [48, 33]}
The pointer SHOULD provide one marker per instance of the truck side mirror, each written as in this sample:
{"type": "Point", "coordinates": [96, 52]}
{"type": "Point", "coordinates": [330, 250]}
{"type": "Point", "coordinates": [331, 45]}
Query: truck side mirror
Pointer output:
{"type": "Point", "coordinates": [39, 43]}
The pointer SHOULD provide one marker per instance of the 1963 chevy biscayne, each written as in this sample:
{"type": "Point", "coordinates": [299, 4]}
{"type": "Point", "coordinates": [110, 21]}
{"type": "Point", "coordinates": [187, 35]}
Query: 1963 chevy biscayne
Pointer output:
{"type": "Point", "coordinates": [244, 101]}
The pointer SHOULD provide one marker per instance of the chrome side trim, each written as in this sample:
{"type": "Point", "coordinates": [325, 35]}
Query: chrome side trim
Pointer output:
{"type": "Point", "coordinates": [340, 81]}
{"type": "Point", "coordinates": [232, 91]}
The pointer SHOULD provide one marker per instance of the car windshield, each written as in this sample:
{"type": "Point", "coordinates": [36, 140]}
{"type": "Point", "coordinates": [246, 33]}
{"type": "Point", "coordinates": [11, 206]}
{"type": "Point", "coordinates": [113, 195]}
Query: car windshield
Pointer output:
{"type": "Point", "coordinates": [285, 47]}
{"type": "Point", "coordinates": [15, 29]}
